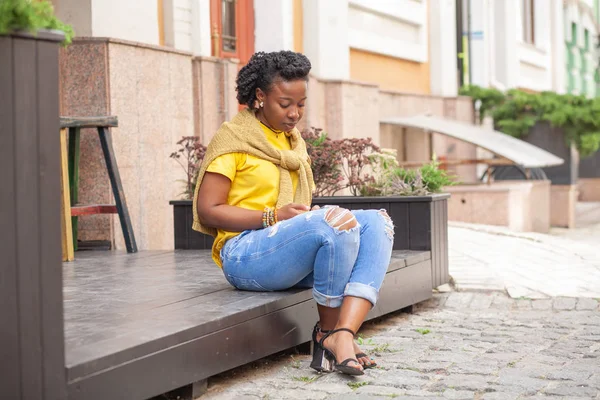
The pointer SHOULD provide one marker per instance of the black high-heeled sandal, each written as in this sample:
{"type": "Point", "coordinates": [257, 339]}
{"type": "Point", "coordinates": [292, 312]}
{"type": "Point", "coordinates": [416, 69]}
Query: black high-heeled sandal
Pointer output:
{"type": "Point", "coordinates": [343, 366]}
{"type": "Point", "coordinates": [320, 362]}
{"type": "Point", "coordinates": [317, 329]}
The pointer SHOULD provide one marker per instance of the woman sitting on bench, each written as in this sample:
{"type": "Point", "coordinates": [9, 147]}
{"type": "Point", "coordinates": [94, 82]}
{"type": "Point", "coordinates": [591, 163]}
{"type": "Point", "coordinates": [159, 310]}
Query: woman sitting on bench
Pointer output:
{"type": "Point", "coordinates": [254, 194]}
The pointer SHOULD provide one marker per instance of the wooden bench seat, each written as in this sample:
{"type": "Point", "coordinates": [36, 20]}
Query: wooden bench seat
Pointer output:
{"type": "Point", "coordinates": [137, 325]}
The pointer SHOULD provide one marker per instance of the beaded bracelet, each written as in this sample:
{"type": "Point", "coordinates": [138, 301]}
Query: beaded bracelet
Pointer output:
{"type": "Point", "coordinates": [269, 217]}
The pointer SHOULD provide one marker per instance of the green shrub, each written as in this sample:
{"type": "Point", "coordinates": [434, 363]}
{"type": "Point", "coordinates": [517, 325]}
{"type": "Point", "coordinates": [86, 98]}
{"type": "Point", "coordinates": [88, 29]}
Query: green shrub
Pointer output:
{"type": "Point", "coordinates": [31, 16]}
{"type": "Point", "coordinates": [410, 182]}
{"type": "Point", "coordinates": [516, 112]}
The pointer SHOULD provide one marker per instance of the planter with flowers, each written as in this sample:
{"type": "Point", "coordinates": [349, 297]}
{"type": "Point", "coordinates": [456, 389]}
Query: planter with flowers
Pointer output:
{"type": "Point", "coordinates": [373, 180]}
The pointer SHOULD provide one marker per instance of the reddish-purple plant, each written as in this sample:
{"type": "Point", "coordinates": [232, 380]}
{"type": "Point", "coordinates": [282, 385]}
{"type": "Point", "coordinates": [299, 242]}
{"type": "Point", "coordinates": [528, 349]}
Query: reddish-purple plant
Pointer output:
{"type": "Point", "coordinates": [356, 154]}
{"type": "Point", "coordinates": [325, 161]}
{"type": "Point", "coordinates": [189, 155]}
{"type": "Point", "coordinates": [339, 164]}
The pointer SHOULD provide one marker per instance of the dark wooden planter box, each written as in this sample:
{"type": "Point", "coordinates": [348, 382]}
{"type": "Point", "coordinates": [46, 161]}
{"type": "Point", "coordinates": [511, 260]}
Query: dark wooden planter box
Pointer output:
{"type": "Point", "coordinates": [31, 294]}
{"type": "Point", "coordinates": [421, 223]}
{"type": "Point", "coordinates": [185, 237]}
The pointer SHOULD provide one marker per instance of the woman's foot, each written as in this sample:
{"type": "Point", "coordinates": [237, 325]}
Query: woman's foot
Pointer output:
{"type": "Point", "coordinates": [342, 345]}
{"type": "Point", "coordinates": [365, 361]}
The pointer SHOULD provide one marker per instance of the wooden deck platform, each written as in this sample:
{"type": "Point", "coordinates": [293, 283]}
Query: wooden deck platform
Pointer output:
{"type": "Point", "coordinates": [137, 325]}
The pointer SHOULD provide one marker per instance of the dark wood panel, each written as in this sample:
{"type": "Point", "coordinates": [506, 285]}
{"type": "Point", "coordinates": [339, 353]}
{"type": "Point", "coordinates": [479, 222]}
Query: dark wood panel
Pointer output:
{"type": "Point", "coordinates": [200, 358]}
{"type": "Point", "coordinates": [379, 199]}
{"type": "Point", "coordinates": [225, 347]}
{"type": "Point", "coordinates": [435, 243]}
{"type": "Point", "coordinates": [444, 245]}
{"type": "Point", "coordinates": [195, 240]}
{"type": "Point", "coordinates": [27, 210]}
{"type": "Point", "coordinates": [411, 257]}
{"type": "Point", "coordinates": [403, 288]}
{"type": "Point", "coordinates": [10, 363]}
{"type": "Point", "coordinates": [399, 214]}
{"type": "Point", "coordinates": [439, 242]}
{"type": "Point", "coordinates": [89, 122]}
{"type": "Point", "coordinates": [180, 229]}
{"type": "Point", "coordinates": [379, 206]}
{"type": "Point", "coordinates": [420, 226]}
{"type": "Point", "coordinates": [121, 308]}
{"type": "Point", "coordinates": [54, 376]}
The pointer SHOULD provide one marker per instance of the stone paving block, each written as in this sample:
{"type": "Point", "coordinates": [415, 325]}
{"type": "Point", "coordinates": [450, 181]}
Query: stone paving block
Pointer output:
{"type": "Point", "coordinates": [523, 304]}
{"type": "Point", "coordinates": [459, 394]}
{"type": "Point", "coordinates": [565, 389]}
{"type": "Point", "coordinates": [564, 303]}
{"type": "Point", "coordinates": [474, 368]}
{"type": "Point", "coordinates": [499, 396]}
{"type": "Point", "coordinates": [566, 374]}
{"type": "Point", "coordinates": [422, 394]}
{"type": "Point", "coordinates": [587, 304]}
{"type": "Point", "coordinates": [459, 300]}
{"type": "Point", "coordinates": [232, 396]}
{"type": "Point", "coordinates": [517, 291]}
{"type": "Point", "coordinates": [482, 302]}
{"type": "Point", "coordinates": [512, 377]}
{"type": "Point", "coordinates": [375, 389]}
{"type": "Point", "coordinates": [502, 302]}
{"type": "Point", "coordinates": [542, 304]}
{"type": "Point", "coordinates": [467, 382]}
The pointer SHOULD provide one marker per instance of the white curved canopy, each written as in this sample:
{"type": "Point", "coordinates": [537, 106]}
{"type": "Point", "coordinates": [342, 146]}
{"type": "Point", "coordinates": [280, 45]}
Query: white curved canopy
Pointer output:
{"type": "Point", "coordinates": [521, 153]}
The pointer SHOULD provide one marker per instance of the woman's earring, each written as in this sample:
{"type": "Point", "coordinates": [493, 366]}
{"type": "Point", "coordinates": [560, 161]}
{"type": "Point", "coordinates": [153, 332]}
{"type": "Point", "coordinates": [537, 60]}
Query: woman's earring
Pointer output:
{"type": "Point", "coordinates": [261, 104]}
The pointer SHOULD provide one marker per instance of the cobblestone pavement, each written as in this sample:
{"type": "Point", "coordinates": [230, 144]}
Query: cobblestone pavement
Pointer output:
{"type": "Point", "coordinates": [454, 346]}
{"type": "Point", "coordinates": [524, 264]}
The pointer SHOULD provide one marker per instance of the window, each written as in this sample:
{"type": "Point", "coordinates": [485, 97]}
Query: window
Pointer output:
{"type": "Point", "coordinates": [228, 19]}
{"type": "Point", "coordinates": [232, 23]}
{"type": "Point", "coordinates": [528, 21]}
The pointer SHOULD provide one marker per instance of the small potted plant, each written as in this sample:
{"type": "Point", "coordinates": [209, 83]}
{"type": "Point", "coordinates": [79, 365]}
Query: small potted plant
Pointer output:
{"type": "Point", "coordinates": [189, 156]}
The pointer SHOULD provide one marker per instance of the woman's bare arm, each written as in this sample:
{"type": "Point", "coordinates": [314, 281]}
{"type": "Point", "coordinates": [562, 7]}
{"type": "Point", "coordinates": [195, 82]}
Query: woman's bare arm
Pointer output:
{"type": "Point", "coordinates": [214, 211]}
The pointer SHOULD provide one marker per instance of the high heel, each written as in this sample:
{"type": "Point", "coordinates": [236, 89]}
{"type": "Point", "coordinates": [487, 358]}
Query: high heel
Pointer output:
{"type": "Point", "coordinates": [317, 329]}
{"type": "Point", "coordinates": [343, 366]}
{"type": "Point", "coordinates": [319, 362]}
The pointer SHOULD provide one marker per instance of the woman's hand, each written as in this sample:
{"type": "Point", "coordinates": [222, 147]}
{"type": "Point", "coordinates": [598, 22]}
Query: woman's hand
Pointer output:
{"type": "Point", "coordinates": [290, 211]}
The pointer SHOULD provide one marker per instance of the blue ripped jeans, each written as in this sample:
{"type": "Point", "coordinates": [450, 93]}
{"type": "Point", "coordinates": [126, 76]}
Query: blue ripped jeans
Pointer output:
{"type": "Point", "coordinates": [313, 250]}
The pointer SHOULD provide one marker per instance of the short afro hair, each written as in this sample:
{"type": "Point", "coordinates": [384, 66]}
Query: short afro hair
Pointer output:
{"type": "Point", "coordinates": [264, 69]}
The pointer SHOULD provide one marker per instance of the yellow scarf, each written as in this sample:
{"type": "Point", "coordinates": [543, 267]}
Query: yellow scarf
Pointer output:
{"type": "Point", "coordinates": [244, 135]}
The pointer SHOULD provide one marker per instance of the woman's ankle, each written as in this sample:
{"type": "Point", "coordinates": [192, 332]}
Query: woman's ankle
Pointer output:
{"type": "Point", "coordinates": [338, 338]}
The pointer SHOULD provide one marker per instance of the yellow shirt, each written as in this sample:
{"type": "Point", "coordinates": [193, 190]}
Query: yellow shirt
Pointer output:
{"type": "Point", "coordinates": [254, 183]}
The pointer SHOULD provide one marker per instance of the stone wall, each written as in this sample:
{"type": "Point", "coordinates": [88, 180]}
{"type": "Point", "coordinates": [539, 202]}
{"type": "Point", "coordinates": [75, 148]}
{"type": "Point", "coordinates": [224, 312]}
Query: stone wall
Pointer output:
{"type": "Point", "coordinates": [522, 206]}
{"type": "Point", "coordinates": [150, 90]}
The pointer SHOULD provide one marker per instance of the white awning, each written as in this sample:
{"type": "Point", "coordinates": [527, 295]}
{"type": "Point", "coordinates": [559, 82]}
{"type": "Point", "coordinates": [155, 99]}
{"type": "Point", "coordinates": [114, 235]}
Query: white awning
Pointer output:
{"type": "Point", "coordinates": [521, 153]}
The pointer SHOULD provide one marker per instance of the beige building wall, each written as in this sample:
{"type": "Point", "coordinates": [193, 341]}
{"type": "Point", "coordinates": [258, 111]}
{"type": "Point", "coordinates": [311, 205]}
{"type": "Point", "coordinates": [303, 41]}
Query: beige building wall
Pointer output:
{"type": "Point", "coordinates": [389, 73]}
{"type": "Point", "coordinates": [149, 89]}
{"type": "Point", "coordinates": [154, 104]}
